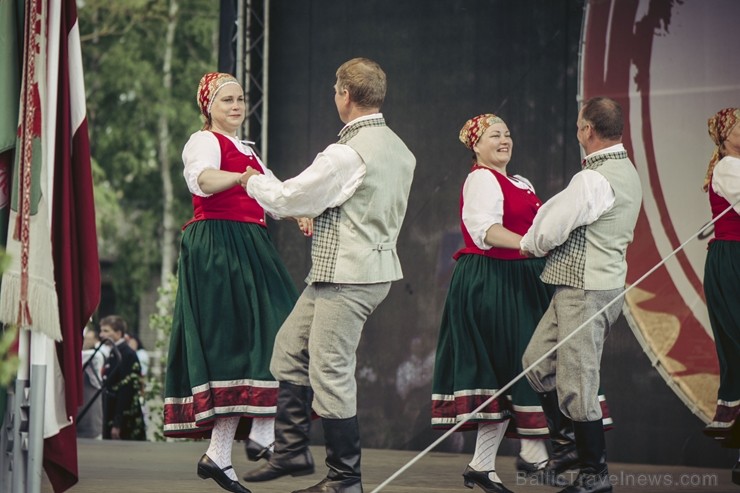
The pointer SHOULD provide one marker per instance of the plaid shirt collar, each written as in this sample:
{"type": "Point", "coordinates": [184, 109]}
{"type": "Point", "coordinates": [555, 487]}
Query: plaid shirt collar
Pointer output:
{"type": "Point", "coordinates": [594, 160]}
{"type": "Point", "coordinates": [351, 129]}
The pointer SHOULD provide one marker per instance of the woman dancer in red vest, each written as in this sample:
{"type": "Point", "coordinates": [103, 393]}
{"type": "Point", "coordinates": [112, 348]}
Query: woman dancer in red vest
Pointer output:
{"type": "Point", "coordinates": [722, 275]}
{"type": "Point", "coordinates": [233, 295]}
{"type": "Point", "coordinates": [494, 302]}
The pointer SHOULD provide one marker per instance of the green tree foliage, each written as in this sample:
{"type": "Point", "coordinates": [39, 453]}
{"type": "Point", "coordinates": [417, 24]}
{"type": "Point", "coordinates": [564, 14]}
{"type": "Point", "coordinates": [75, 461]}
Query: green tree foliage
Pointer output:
{"type": "Point", "coordinates": [8, 361]}
{"type": "Point", "coordinates": [123, 44]}
{"type": "Point", "coordinates": [8, 333]}
{"type": "Point", "coordinates": [161, 323]}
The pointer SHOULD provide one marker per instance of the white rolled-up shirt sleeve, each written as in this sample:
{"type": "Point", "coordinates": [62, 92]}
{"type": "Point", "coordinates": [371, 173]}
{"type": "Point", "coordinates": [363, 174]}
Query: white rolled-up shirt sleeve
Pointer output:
{"type": "Point", "coordinates": [726, 180]}
{"type": "Point", "coordinates": [583, 201]}
{"type": "Point", "coordinates": [483, 205]}
{"type": "Point", "coordinates": [331, 179]}
{"type": "Point", "coordinates": [200, 153]}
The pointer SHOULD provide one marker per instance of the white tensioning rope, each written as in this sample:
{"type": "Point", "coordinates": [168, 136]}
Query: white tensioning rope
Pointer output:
{"type": "Point", "coordinates": [544, 356]}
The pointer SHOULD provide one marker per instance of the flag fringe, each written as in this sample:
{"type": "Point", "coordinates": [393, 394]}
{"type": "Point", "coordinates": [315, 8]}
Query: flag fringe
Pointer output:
{"type": "Point", "coordinates": [42, 302]}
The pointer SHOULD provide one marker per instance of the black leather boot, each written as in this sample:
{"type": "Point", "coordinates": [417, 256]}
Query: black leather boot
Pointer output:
{"type": "Point", "coordinates": [594, 474]}
{"type": "Point", "coordinates": [292, 425]}
{"type": "Point", "coordinates": [564, 454]}
{"type": "Point", "coordinates": [736, 473]}
{"type": "Point", "coordinates": [342, 458]}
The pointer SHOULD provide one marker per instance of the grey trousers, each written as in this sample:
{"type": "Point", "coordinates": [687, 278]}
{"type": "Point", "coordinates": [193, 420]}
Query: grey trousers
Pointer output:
{"type": "Point", "coordinates": [316, 345]}
{"type": "Point", "coordinates": [572, 370]}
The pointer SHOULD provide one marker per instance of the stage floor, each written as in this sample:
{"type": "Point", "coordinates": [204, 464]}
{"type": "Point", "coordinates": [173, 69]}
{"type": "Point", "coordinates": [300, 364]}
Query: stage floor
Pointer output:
{"type": "Point", "coordinates": [147, 467]}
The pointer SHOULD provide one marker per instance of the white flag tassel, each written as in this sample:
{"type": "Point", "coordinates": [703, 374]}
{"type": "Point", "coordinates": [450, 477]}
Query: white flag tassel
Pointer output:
{"type": "Point", "coordinates": [29, 296]}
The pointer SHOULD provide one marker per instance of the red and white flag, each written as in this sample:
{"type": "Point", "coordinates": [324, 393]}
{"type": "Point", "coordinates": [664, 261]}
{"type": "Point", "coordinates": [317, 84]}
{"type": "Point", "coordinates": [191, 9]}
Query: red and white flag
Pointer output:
{"type": "Point", "coordinates": [53, 285]}
{"type": "Point", "coordinates": [74, 239]}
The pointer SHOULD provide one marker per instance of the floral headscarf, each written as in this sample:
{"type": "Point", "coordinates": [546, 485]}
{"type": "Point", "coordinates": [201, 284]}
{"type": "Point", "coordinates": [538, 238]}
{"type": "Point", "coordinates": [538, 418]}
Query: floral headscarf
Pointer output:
{"type": "Point", "coordinates": [471, 132]}
{"type": "Point", "coordinates": [720, 126]}
{"type": "Point", "coordinates": [209, 85]}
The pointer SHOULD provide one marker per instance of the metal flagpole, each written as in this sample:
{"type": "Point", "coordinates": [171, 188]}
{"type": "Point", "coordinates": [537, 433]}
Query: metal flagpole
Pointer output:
{"type": "Point", "coordinates": [38, 404]}
{"type": "Point", "coordinates": [25, 429]}
{"type": "Point", "coordinates": [19, 415]}
{"type": "Point", "coordinates": [6, 440]}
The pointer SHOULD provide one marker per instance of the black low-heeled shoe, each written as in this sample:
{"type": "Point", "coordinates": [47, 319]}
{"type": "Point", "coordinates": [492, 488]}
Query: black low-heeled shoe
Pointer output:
{"type": "Point", "coordinates": [736, 473]}
{"type": "Point", "coordinates": [207, 469]}
{"type": "Point", "coordinates": [529, 468]}
{"type": "Point", "coordinates": [255, 451]}
{"type": "Point", "coordinates": [471, 477]}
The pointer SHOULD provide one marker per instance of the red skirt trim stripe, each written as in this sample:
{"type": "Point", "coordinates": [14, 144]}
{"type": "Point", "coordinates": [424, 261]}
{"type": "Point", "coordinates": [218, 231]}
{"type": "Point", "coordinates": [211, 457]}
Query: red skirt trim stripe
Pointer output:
{"type": "Point", "coordinates": [725, 415]}
{"type": "Point", "coordinates": [193, 415]}
{"type": "Point", "coordinates": [528, 421]}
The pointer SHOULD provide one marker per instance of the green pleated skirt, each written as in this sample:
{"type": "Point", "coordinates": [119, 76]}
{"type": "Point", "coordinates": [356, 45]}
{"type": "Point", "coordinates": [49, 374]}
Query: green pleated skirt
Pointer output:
{"type": "Point", "coordinates": [233, 295]}
{"type": "Point", "coordinates": [722, 291]}
{"type": "Point", "coordinates": [490, 313]}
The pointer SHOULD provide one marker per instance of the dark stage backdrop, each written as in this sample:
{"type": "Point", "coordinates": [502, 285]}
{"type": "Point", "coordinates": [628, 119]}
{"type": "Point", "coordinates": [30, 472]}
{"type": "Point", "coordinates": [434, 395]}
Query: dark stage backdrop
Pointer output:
{"type": "Point", "coordinates": [447, 61]}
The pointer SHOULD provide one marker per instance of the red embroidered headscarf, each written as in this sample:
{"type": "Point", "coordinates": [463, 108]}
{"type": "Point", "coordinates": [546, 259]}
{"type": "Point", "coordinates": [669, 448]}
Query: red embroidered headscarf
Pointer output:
{"type": "Point", "coordinates": [471, 132]}
{"type": "Point", "coordinates": [209, 85]}
{"type": "Point", "coordinates": [720, 126]}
